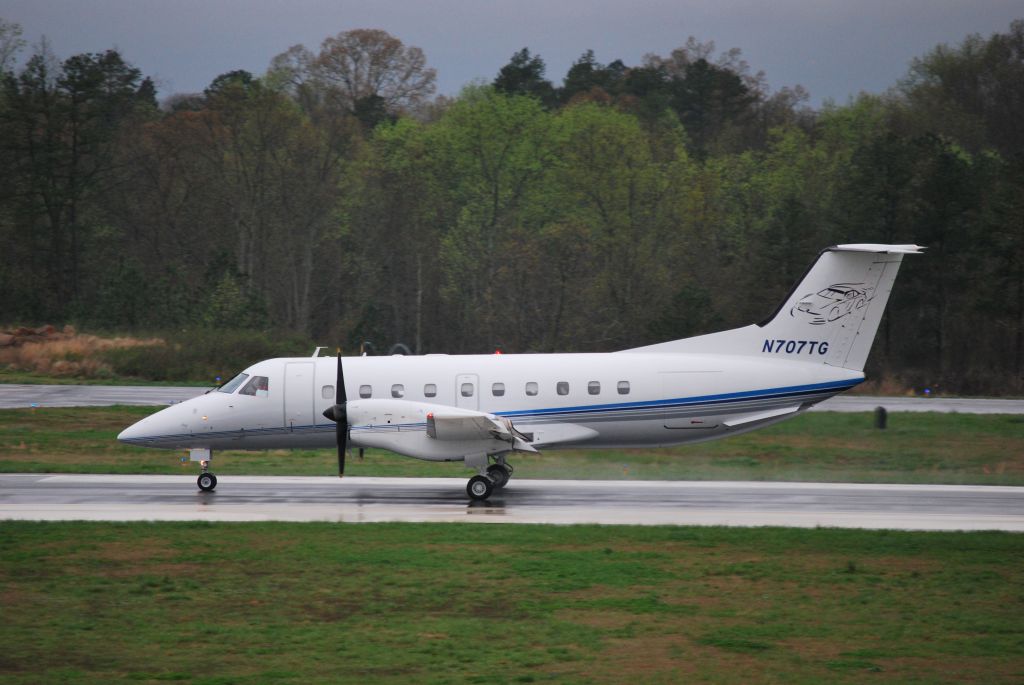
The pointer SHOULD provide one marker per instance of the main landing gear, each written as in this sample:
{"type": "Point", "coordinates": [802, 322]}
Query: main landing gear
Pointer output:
{"type": "Point", "coordinates": [480, 487]}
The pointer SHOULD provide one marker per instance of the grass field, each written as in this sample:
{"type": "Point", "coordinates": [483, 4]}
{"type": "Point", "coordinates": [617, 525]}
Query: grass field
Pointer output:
{"type": "Point", "coordinates": [916, 448]}
{"type": "Point", "coordinates": [421, 603]}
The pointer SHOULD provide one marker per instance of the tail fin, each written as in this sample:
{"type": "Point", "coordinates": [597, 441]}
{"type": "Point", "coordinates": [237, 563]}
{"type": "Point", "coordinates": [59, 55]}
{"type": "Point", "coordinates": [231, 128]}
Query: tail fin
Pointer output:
{"type": "Point", "coordinates": [830, 317]}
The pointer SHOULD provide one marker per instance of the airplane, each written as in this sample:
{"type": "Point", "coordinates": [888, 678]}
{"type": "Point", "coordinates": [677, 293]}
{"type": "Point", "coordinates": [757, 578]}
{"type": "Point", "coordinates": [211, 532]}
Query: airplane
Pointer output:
{"type": "Point", "coordinates": [481, 409]}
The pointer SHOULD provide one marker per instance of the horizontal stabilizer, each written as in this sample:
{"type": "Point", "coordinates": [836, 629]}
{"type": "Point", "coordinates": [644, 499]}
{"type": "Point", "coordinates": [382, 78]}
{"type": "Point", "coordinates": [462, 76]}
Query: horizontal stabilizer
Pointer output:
{"type": "Point", "coordinates": [881, 249]}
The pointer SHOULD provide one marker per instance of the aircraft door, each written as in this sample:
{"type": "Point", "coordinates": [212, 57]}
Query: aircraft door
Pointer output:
{"type": "Point", "coordinates": [467, 391]}
{"type": "Point", "coordinates": [298, 394]}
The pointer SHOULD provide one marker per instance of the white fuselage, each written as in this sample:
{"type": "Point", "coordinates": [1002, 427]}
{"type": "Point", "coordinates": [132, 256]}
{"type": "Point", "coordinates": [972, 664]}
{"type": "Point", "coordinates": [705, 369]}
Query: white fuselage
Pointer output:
{"type": "Point", "coordinates": [620, 399]}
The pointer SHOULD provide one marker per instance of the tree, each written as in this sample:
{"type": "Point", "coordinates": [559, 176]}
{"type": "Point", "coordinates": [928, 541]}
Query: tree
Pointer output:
{"type": "Point", "coordinates": [357, 68]}
{"type": "Point", "coordinates": [972, 92]}
{"type": "Point", "coordinates": [239, 78]}
{"type": "Point", "coordinates": [587, 75]}
{"type": "Point", "coordinates": [964, 104]}
{"type": "Point", "coordinates": [624, 184]}
{"type": "Point", "coordinates": [496, 150]}
{"type": "Point", "coordinates": [11, 43]}
{"type": "Point", "coordinates": [61, 127]}
{"type": "Point", "coordinates": [524, 75]}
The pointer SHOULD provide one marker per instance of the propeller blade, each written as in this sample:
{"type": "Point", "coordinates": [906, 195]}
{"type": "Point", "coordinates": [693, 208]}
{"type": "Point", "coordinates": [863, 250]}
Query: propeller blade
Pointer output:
{"type": "Point", "coordinates": [340, 397]}
{"type": "Point", "coordinates": [341, 417]}
{"type": "Point", "coordinates": [341, 451]}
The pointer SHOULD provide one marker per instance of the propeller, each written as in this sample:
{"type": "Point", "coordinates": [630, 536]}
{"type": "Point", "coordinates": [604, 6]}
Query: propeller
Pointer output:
{"type": "Point", "coordinates": [338, 413]}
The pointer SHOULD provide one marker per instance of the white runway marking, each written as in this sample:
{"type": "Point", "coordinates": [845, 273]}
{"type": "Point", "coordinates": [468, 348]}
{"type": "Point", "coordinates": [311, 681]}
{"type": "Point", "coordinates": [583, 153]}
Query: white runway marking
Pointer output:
{"type": "Point", "coordinates": [265, 498]}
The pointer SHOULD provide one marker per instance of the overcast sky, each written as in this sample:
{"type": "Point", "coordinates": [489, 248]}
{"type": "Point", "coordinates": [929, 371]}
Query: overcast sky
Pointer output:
{"type": "Point", "coordinates": [834, 48]}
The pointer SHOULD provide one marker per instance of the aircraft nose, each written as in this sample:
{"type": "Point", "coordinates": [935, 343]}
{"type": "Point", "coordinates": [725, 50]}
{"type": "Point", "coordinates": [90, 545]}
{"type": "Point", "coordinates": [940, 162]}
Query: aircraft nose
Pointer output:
{"type": "Point", "coordinates": [146, 430]}
{"type": "Point", "coordinates": [133, 432]}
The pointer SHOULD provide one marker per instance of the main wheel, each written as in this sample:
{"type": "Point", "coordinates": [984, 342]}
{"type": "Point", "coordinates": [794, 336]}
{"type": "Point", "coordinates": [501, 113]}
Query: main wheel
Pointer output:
{"type": "Point", "coordinates": [479, 488]}
{"type": "Point", "coordinates": [207, 482]}
{"type": "Point", "coordinates": [500, 474]}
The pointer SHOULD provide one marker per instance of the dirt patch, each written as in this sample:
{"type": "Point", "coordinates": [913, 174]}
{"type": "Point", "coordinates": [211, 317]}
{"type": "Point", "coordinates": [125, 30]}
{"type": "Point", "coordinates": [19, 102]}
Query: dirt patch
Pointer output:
{"type": "Point", "coordinates": [952, 669]}
{"type": "Point", "coordinates": [650, 658]}
{"type": "Point", "coordinates": [151, 557]}
{"type": "Point", "coordinates": [812, 648]}
{"type": "Point", "coordinates": [602, 619]}
{"type": "Point", "coordinates": [142, 551]}
{"type": "Point", "coordinates": [65, 353]}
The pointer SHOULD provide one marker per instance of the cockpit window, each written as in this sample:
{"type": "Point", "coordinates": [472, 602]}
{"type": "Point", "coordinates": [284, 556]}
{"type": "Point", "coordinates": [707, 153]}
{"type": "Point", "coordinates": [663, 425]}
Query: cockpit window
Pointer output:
{"type": "Point", "coordinates": [258, 386]}
{"type": "Point", "coordinates": [233, 384]}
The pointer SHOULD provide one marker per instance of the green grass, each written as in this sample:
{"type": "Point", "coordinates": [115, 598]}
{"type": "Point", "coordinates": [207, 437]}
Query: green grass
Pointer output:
{"type": "Point", "coordinates": [916, 448]}
{"type": "Point", "coordinates": [423, 603]}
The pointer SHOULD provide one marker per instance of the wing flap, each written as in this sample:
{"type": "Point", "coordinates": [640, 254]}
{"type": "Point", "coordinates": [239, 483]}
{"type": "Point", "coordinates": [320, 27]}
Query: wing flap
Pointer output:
{"type": "Point", "coordinates": [461, 427]}
{"type": "Point", "coordinates": [476, 426]}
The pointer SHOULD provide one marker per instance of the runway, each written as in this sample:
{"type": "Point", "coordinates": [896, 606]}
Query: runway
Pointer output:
{"type": "Point", "coordinates": [14, 396]}
{"type": "Point", "coordinates": [353, 500]}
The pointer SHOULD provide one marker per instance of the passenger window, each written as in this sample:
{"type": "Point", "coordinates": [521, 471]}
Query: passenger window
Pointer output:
{"type": "Point", "coordinates": [498, 389]}
{"type": "Point", "coordinates": [594, 387]}
{"type": "Point", "coordinates": [398, 390]}
{"type": "Point", "coordinates": [258, 386]}
{"type": "Point", "coordinates": [327, 392]}
{"type": "Point", "coordinates": [531, 388]}
{"type": "Point", "coordinates": [623, 387]}
{"type": "Point", "coordinates": [467, 390]}
{"type": "Point", "coordinates": [365, 391]}
{"type": "Point", "coordinates": [430, 390]}
{"type": "Point", "coordinates": [562, 388]}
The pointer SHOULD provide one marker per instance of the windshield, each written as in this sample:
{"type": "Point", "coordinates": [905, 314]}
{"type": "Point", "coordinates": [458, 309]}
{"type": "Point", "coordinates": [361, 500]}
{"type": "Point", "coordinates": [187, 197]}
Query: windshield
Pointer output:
{"type": "Point", "coordinates": [259, 386]}
{"type": "Point", "coordinates": [232, 384]}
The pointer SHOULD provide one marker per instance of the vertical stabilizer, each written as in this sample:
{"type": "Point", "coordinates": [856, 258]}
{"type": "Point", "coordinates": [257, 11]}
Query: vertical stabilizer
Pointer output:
{"type": "Point", "coordinates": [830, 317]}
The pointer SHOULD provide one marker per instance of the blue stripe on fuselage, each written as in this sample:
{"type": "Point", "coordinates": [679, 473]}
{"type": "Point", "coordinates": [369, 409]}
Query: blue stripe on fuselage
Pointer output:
{"type": "Point", "coordinates": [685, 401]}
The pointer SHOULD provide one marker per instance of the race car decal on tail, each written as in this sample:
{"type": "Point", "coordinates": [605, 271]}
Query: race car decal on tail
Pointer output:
{"type": "Point", "coordinates": [832, 303]}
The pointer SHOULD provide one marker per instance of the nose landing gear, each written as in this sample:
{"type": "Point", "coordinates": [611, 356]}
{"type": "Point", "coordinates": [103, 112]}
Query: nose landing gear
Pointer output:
{"type": "Point", "coordinates": [206, 481]}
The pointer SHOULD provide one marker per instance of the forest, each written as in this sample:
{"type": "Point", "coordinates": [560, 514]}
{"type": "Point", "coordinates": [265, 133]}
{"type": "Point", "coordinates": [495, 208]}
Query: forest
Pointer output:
{"type": "Point", "coordinates": [336, 197]}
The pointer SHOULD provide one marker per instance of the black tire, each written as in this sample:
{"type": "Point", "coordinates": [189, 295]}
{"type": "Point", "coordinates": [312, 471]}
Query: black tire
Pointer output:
{"type": "Point", "coordinates": [479, 488]}
{"type": "Point", "coordinates": [499, 474]}
{"type": "Point", "coordinates": [206, 482]}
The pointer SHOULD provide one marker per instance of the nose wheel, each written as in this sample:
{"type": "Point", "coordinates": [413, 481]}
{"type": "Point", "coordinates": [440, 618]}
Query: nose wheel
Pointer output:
{"type": "Point", "coordinates": [206, 481]}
